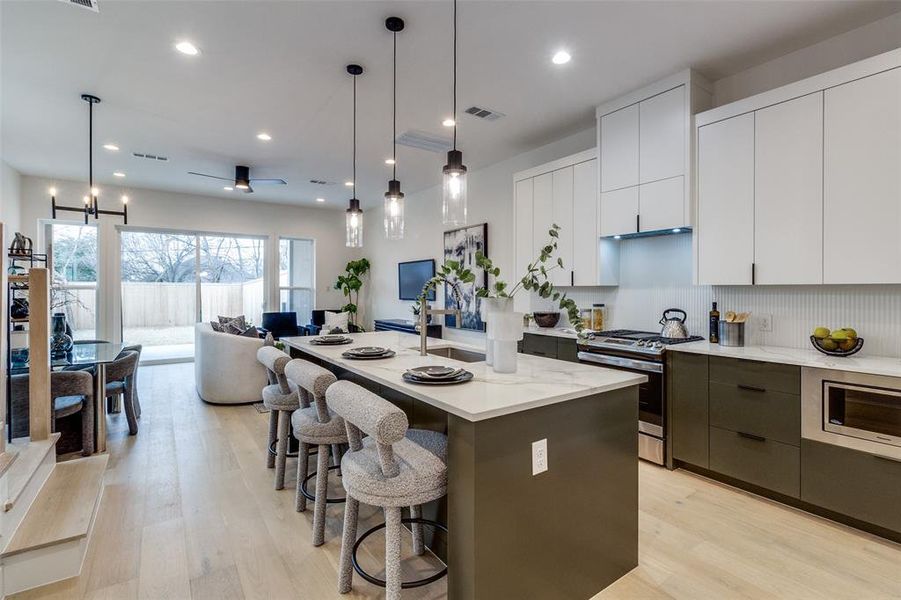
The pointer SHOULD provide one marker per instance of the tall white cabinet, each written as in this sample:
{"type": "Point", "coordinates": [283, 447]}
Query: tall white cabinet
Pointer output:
{"type": "Point", "coordinates": [645, 142]}
{"type": "Point", "coordinates": [564, 192]}
{"type": "Point", "coordinates": [802, 184]}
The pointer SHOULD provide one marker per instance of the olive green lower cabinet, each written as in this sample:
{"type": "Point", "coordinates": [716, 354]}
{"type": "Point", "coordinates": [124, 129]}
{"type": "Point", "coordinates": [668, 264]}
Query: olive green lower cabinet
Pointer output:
{"type": "Point", "coordinates": [740, 421]}
{"type": "Point", "coordinates": [549, 346]}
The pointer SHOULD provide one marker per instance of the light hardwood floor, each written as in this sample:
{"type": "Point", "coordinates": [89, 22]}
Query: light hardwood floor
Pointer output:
{"type": "Point", "coordinates": [189, 512]}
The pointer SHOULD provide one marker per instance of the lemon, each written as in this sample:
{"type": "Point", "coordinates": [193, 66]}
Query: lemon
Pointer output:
{"type": "Point", "coordinates": [821, 333]}
{"type": "Point", "coordinates": [828, 344]}
{"type": "Point", "coordinates": [848, 344]}
{"type": "Point", "coordinates": [850, 333]}
{"type": "Point", "coordinates": [839, 335]}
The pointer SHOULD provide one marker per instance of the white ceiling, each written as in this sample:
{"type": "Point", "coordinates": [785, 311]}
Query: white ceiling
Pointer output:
{"type": "Point", "coordinates": [279, 67]}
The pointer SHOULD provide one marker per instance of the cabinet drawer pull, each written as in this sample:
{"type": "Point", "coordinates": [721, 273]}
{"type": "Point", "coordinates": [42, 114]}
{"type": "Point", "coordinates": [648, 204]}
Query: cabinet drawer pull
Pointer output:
{"type": "Point", "coordinates": [888, 458]}
{"type": "Point", "coordinates": [750, 388]}
{"type": "Point", "coordinates": [751, 436]}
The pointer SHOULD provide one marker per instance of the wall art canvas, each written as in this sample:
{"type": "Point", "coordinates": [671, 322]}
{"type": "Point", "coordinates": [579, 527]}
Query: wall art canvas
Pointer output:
{"type": "Point", "coordinates": [462, 245]}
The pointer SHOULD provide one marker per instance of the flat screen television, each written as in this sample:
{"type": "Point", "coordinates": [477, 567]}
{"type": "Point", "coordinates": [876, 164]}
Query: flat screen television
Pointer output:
{"type": "Point", "coordinates": [412, 275]}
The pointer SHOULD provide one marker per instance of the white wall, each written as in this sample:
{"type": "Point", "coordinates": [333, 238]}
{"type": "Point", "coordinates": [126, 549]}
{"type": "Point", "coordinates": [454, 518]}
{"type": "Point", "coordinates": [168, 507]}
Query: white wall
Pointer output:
{"type": "Point", "coordinates": [156, 209]}
{"type": "Point", "coordinates": [10, 196]}
{"type": "Point", "coordinates": [490, 200]}
{"type": "Point", "coordinates": [866, 41]}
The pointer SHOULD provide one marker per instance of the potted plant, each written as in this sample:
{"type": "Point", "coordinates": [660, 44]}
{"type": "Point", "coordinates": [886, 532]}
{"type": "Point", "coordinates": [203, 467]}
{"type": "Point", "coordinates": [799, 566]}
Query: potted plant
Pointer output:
{"type": "Point", "coordinates": [350, 284]}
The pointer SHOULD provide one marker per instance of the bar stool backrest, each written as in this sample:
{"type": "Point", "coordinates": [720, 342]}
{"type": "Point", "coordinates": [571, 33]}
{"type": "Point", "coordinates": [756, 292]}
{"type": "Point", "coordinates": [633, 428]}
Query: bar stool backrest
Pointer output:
{"type": "Point", "coordinates": [371, 414]}
{"type": "Point", "coordinates": [313, 382]}
{"type": "Point", "coordinates": [275, 360]}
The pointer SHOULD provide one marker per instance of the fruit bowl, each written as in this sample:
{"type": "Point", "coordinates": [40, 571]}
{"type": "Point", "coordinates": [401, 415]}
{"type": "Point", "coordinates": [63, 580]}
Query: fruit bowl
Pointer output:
{"type": "Point", "coordinates": [546, 319]}
{"type": "Point", "coordinates": [832, 347]}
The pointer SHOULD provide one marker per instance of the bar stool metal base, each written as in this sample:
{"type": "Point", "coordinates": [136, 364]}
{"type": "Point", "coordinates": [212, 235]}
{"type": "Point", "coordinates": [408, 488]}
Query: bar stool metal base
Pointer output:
{"type": "Point", "coordinates": [293, 447]}
{"type": "Point", "coordinates": [312, 497]}
{"type": "Point", "coordinates": [406, 584]}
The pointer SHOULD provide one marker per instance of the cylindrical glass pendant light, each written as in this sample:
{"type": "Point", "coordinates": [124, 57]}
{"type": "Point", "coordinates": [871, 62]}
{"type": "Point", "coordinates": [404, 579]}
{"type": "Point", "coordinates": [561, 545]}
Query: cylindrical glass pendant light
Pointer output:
{"type": "Point", "coordinates": [394, 198]}
{"type": "Point", "coordinates": [453, 207]}
{"type": "Point", "coordinates": [353, 219]}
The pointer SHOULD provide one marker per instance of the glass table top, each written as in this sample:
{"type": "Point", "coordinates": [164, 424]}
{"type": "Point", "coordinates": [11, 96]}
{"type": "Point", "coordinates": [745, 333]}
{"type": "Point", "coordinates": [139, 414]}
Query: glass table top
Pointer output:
{"type": "Point", "coordinates": [82, 355]}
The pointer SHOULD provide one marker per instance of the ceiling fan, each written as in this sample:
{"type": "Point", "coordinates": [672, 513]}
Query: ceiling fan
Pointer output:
{"type": "Point", "coordinates": [242, 180]}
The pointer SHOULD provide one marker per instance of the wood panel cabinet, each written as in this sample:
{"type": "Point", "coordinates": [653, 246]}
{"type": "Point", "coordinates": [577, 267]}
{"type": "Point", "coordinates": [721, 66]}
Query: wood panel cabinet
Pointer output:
{"type": "Point", "coordinates": [619, 148]}
{"type": "Point", "coordinates": [688, 374]}
{"type": "Point", "coordinates": [661, 204]}
{"type": "Point", "coordinates": [862, 192]}
{"type": "Point", "coordinates": [542, 212]}
{"type": "Point", "coordinates": [619, 211]}
{"type": "Point", "coordinates": [726, 202]}
{"type": "Point", "coordinates": [585, 207]}
{"type": "Point", "coordinates": [563, 216]}
{"type": "Point", "coordinates": [788, 192]}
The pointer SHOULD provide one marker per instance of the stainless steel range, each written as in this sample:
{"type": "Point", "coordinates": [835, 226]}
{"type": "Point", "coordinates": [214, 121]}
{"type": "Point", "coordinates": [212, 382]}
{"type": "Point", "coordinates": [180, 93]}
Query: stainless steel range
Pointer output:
{"type": "Point", "coordinates": [641, 352]}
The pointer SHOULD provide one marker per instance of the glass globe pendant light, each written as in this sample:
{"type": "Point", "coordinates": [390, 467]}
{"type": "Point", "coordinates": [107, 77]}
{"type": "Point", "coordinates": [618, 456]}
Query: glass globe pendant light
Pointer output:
{"type": "Point", "coordinates": [353, 218]}
{"type": "Point", "coordinates": [394, 198]}
{"type": "Point", "coordinates": [453, 207]}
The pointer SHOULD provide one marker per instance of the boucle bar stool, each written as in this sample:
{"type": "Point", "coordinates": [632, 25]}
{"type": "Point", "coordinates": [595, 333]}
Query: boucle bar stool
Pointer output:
{"type": "Point", "coordinates": [391, 469]}
{"type": "Point", "coordinates": [281, 398]}
{"type": "Point", "coordinates": [317, 426]}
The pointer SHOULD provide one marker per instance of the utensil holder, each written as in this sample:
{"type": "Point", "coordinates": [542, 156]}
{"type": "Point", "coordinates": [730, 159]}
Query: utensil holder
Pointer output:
{"type": "Point", "coordinates": [732, 334]}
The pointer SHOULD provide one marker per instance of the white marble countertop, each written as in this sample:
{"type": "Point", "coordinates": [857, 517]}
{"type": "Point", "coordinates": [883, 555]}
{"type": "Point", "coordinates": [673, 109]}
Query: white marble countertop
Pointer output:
{"type": "Point", "coordinates": [537, 382]}
{"type": "Point", "coordinates": [874, 365]}
{"type": "Point", "coordinates": [551, 331]}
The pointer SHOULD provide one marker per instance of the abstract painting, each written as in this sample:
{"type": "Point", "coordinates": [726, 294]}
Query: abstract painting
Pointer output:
{"type": "Point", "coordinates": [461, 245]}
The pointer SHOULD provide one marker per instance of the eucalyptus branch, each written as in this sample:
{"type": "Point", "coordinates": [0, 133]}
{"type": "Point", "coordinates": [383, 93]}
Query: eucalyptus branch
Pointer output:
{"type": "Point", "coordinates": [452, 273]}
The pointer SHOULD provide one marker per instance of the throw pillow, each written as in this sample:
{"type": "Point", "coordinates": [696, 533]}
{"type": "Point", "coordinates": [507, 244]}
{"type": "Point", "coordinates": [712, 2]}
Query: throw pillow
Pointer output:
{"type": "Point", "coordinates": [335, 321]}
{"type": "Point", "coordinates": [236, 325]}
{"type": "Point", "coordinates": [250, 332]}
{"type": "Point", "coordinates": [217, 326]}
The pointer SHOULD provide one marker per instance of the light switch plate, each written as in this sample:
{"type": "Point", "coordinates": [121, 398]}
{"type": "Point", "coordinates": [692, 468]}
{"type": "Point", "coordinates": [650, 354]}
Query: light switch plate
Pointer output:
{"type": "Point", "coordinates": [765, 322]}
{"type": "Point", "coordinates": [539, 456]}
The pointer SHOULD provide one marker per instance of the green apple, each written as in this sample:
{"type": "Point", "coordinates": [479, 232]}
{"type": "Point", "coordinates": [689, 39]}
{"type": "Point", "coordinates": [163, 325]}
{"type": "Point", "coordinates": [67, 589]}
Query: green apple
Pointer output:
{"type": "Point", "coordinates": [821, 333]}
{"type": "Point", "coordinates": [828, 344]}
{"type": "Point", "coordinates": [839, 335]}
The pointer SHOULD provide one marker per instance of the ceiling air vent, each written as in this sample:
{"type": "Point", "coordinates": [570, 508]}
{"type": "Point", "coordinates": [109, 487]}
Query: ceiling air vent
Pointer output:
{"type": "Point", "coordinates": [88, 4]}
{"type": "Point", "coordinates": [322, 182]}
{"type": "Point", "coordinates": [150, 156]}
{"type": "Point", "coordinates": [425, 141]}
{"type": "Point", "coordinates": [484, 113]}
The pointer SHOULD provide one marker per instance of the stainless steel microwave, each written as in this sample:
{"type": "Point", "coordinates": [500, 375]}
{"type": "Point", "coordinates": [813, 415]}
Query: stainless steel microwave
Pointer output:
{"type": "Point", "coordinates": [858, 411]}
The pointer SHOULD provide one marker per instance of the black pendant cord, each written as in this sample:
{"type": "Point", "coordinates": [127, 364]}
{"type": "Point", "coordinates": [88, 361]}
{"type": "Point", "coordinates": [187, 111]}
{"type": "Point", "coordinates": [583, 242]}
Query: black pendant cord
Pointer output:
{"type": "Point", "coordinates": [91, 159]}
{"type": "Point", "coordinates": [455, 75]}
{"type": "Point", "coordinates": [394, 115]}
{"type": "Point", "coordinates": [354, 180]}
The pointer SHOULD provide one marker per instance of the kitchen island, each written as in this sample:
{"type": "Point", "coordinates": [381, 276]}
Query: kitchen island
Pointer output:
{"type": "Point", "coordinates": [568, 532]}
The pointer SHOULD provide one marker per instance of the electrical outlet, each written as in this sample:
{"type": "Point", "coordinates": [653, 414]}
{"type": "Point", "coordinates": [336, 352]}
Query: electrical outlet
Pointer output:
{"type": "Point", "coordinates": [765, 322]}
{"type": "Point", "coordinates": [539, 456]}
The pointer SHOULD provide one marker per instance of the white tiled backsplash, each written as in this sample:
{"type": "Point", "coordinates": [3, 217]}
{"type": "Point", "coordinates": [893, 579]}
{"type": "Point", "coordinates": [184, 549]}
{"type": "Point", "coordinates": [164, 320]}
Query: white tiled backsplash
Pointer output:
{"type": "Point", "coordinates": [655, 274]}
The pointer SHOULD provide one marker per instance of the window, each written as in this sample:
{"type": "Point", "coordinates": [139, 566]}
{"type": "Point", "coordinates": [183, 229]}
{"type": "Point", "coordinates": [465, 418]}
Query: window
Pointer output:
{"type": "Point", "coordinates": [231, 277]}
{"type": "Point", "coordinates": [73, 256]}
{"type": "Point", "coordinates": [297, 291]}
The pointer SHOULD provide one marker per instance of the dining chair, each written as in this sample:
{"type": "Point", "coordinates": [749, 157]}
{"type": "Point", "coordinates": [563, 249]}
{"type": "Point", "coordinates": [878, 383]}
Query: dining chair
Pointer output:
{"type": "Point", "coordinates": [70, 391]}
{"type": "Point", "coordinates": [120, 381]}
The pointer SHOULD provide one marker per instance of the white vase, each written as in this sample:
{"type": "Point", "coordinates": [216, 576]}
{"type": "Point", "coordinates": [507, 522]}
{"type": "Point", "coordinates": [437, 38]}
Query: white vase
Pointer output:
{"type": "Point", "coordinates": [489, 306]}
{"type": "Point", "coordinates": [506, 326]}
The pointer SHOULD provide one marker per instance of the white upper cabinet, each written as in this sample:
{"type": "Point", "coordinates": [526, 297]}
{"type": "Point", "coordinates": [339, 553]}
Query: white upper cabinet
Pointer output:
{"type": "Point", "coordinates": [862, 191]}
{"type": "Point", "coordinates": [788, 192]}
{"type": "Point", "coordinates": [542, 211]}
{"type": "Point", "coordinates": [619, 149]}
{"type": "Point", "coordinates": [804, 181]}
{"type": "Point", "coordinates": [585, 223]}
{"type": "Point", "coordinates": [645, 140]}
{"type": "Point", "coordinates": [726, 201]}
{"type": "Point", "coordinates": [662, 127]}
{"type": "Point", "coordinates": [563, 216]}
{"type": "Point", "coordinates": [564, 192]}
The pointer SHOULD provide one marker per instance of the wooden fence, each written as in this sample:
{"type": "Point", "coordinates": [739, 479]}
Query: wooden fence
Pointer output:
{"type": "Point", "coordinates": [172, 304]}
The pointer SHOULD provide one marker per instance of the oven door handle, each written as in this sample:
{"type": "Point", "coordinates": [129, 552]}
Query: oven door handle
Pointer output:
{"type": "Point", "coordinates": [619, 361]}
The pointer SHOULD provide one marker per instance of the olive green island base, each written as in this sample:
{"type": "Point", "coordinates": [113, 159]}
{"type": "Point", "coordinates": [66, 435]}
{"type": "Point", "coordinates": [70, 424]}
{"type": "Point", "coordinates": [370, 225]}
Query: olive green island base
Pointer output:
{"type": "Point", "coordinates": [566, 533]}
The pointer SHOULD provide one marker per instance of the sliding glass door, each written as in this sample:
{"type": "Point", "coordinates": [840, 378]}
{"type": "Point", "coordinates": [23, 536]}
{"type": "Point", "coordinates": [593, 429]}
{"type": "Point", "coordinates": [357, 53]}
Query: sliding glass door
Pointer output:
{"type": "Point", "coordinates": [172, 280]}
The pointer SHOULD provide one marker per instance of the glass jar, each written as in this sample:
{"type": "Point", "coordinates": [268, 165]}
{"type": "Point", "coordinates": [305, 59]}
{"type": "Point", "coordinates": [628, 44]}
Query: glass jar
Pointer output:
{"type": "Point", "coordinates": [585, 316]}
{"type": "Point", "coordinates": [597, 317]}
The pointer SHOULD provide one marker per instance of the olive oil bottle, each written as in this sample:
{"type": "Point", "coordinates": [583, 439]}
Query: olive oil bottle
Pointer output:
{"type": "Point", "coordinates": [714, 325]}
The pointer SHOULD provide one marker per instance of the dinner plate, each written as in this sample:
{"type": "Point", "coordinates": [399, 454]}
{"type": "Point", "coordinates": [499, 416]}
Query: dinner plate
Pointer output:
{"type": "Point", "coordinates": [368, 350]}
{"type": "Point", "coordinates": [434, 372]}
{"type": "Point", "coordinates": [350, 356]}
{"type": "Point", "coordinates": [320, 342]}
{"type": "Point", "coordinates": [461, 378]}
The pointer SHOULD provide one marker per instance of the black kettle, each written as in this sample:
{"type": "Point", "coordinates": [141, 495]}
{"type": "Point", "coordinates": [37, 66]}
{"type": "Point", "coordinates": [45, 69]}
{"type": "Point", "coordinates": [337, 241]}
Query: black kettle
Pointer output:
{"type": "Point", "coordinates": [674, 327]}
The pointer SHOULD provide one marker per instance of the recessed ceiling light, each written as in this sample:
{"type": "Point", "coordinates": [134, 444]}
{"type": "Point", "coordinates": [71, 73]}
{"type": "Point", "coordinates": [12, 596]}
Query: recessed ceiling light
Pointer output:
{"type": "Point", "coordinates": [111, 147]}
{"type": "Point", "coordinates": [118, 174]}
{"type": "Point", "coordinates": [448, 122]}
{"type": "Point", "coordinates": [264, 136]}
{"type": "Point", "coordinates": [390, 161]}
{"type": "Point", "coordinates": [228, 188]}
{"type": "Point", "coordinates": [349, 183]}
{"type": "Point", "coordinates": [186, 47]}
{"type": "Point", "coordinates": [561, 57]}
{"type": "Point", "coordinates": [320, 199]}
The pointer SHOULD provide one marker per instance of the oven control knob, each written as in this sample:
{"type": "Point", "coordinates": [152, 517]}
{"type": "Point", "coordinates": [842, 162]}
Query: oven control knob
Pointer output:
{"type": "Point", "coordinates": [641, 342]}
{"type": "Point", "coordinates": [658, 345]}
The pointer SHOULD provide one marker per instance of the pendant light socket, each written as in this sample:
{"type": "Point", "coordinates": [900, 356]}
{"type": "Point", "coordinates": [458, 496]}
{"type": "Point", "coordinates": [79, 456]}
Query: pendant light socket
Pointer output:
{"type": "Point", "coordinates": [394, 190]}
{"type": "Point", "coordinates": [355, 69]}
{"type": "Point", "coordinates": [394, 24]}
{"type": "Point", "coordinates": [454, 163]}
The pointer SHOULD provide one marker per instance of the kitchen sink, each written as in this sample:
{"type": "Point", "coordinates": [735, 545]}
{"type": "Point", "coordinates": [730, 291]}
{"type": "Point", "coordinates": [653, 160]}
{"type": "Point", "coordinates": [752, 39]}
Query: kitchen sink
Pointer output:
{"type": "Point", "coordinates": [468, 356]}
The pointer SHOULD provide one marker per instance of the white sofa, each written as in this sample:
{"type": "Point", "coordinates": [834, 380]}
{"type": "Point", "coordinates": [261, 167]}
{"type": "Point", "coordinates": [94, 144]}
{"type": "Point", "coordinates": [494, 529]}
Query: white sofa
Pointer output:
{"type": "Point", "coordinates": [226, 369]}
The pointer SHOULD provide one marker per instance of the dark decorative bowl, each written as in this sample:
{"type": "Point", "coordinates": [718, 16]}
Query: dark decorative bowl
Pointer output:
{"type": "Point", "coordinates": [819, 343]}
{"type": "Point", "coordinates": [546, 319]}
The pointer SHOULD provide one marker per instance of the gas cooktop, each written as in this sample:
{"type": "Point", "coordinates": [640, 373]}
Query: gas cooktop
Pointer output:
{"type": "Point", "coordinates": [644, 342]}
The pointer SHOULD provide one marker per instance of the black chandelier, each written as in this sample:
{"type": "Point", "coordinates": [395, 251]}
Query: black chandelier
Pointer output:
{"type": "Point", "coordinates": [90, 206]}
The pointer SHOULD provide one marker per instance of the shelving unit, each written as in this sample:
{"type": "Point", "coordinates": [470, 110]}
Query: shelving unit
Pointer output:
{"type": "Point", "coordinates": [17, 286]}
